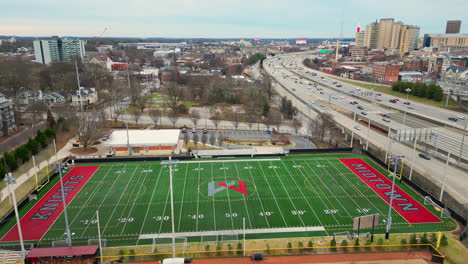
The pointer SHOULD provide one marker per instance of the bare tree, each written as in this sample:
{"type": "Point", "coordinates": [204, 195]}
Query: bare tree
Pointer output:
{"type": "Point", "coordinates": [186, 140]}
{"type": "Point", "coordinates": [90, 129]}
{"type": "Point", "coordinates": [220, 139]}
{"type": "Point", "coordinates": [275, 118]}
{"type": "Point", "coordinates": [175, 94]}
{"type": "Point", "coordinates": [195, 140]}
{"type": "Point", "coordinates": [137, 114]}
{"type": "Point", "coordinates": [216, 118]}
{"type": "Point", "coordinates": [173, 116]}
{"type": "Point", "coordinates": [195, 117]}
{"type": "Point", "coordinates": [212, 139]}
{"type": "Point", "coordinates": [296, 123]}
{"type": "Point", "coordinates": [235, 119]}
{"type": "Point", "coordinates": [117, 114]}
{"type": "Point", "coordinates": [142, 102]}
{"type": "Point", "coordinates": [204, 139]}
{"type": "Point", "coordinates": [155, 115]}
{"type": "Point", "coordinates": [322, 125]}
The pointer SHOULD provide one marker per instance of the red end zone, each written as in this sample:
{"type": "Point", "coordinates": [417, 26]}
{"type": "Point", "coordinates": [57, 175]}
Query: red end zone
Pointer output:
{"type": "Point", "coordinates": [405, 205]}
{"type": "Point", "coordinates": [44, 213]}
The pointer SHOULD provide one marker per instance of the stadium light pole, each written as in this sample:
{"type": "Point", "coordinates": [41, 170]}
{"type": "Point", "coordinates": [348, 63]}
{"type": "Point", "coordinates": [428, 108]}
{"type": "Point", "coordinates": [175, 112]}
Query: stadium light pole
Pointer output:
{"type": "Point", "coordinates": [171, 163]}
{"type": "Point", "coordinates": [408, 90]}
{"type": "Point", "coordinates": [69, 242]}
{"type": "Point", "coordinates": [445, 178]}
{"type": "Point", "coordinates": [395, 160]}
{"type": "Point", "coordinates": [99, 235]}
{"type": "Point", "coordinates": [10, 180]}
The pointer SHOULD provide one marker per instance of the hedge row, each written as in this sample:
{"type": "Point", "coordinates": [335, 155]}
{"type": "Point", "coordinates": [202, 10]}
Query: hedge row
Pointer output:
{"type": "Point", "coordinates": [430, 91]}
{"type": "Point", "coordinates": [22, 154]}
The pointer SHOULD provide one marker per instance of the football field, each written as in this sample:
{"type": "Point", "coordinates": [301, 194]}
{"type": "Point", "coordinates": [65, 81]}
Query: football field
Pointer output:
{"type": "Point", "coordinates": [300, 195]}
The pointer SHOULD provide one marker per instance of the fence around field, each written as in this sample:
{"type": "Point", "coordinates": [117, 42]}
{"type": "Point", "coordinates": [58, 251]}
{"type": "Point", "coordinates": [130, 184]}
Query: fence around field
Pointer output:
{"type": "Point", "coordinates": [437, 256]}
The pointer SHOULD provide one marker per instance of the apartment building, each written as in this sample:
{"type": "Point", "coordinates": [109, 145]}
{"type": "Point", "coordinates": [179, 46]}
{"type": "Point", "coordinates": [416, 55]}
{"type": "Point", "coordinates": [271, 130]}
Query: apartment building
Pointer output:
{"type": "Point", "coordinates": [56, 49]}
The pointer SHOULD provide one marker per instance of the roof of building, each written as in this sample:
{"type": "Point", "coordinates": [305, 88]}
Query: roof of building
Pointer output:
{"type": "Point", "coordinates": [62, 251]}
{"type": "Point", "coordinates": [410, 73]}
{"type": "Point", "coordinates": [162, 137]}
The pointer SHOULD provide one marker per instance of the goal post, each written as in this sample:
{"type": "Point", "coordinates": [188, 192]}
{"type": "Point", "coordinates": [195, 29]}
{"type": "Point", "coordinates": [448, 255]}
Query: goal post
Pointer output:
{"type": "Point", "coordinates": [95, 241]}
{"type": "Point", "coordinates": [399, 170]}
{"type": "Point", "coordinates": [444, 213]}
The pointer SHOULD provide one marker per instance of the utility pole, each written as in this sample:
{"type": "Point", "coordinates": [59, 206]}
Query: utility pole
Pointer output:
{"type": "Point", "coordinates": [99, 235]}
{"type": "Point", "coordinates": [79, 87]}
{"type": "Point", "coordinates": [395, 160]}
{"type": "Point", "coordinates": [126, 116]}
{"type": "Point", "coordinates": [412, 160]}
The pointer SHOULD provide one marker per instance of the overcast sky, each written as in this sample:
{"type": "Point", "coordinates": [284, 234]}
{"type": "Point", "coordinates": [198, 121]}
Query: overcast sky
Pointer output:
{"type": "Point", "coordinates": [220, 18]}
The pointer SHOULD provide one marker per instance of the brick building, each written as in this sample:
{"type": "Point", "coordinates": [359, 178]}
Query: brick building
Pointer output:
{"type": "Point", "coordinates": [386, 73]}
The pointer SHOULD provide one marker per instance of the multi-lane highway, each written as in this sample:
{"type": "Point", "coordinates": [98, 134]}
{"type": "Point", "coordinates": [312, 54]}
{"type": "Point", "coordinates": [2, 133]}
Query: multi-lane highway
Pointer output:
{"type": "Point", "coordinates": [309, 89]}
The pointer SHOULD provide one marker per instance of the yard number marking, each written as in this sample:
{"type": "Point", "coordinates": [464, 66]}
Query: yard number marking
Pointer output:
{"type": "Point", "coordinates": [326, 211]}
{"type": "Point", "coordinates": [125, 220]}
{"type": "Point", "coordinates": [266, 213]}
{"type": "Point", "coordinates": [298, 212]}
{"type": "Point", "coordinates": [160, 218]}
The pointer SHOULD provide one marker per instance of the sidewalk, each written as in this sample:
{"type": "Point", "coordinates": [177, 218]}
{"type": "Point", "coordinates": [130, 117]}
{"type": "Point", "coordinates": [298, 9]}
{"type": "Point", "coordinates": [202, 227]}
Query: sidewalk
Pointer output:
{"type": "Point", "coordinates": [24, 177]}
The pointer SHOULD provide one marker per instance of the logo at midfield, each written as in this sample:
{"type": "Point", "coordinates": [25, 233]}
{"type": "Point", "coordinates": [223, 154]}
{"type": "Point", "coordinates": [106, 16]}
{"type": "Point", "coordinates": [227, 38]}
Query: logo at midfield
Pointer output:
{"type": "Point", "coordinates": [212, 187]}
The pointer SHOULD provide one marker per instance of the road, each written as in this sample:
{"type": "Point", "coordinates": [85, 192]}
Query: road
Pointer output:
{"type": "Point", "coordinates": [305, 96]}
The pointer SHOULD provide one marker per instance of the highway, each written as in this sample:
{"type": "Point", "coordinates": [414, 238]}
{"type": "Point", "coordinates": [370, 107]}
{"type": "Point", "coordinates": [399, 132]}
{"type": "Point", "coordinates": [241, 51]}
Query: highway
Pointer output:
{"type": "Point", "coordinates": [306, 95]}
{"type": "Point", "coordinates": [314, 85]}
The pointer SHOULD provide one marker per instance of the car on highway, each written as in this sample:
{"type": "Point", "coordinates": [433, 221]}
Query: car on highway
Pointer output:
{"type": "Point", "coordinates": [385, 115]}
{"type": "Point", "coordinates": [392, 101]}
{"type": "Point", "coordinates": [410, 107]}
{"type": "Point", "coordinates": [358, 89]}
{"type": "Point", "coordinates": [353, 102]}
{"type": "Point", "coordinates": [334, 82]}
{"type": "Point", "coordinates": [424, 156]}
{"type": "Point", "coordinates": [396, 99]}
{"type": "Point", "coordinates": [378, 94]}
{"type": "Point", "coordinates": [454, 119]}
{"type": "Point", "coordinates": [338, 85]}
{"type": "Point", "coordinates": [363, 113]}
{"type": "Point", "coordinates": [357, 127]}
{"type": "Point", "coordinates": [406, 103]}
{"type": "Point", "coordinates": [386, 119]}
{"type": "Point", "coordinates": [321, 92]}
{"type": "Point", "coordinates": [334, 97]}
{"type": "Point", "coordinates": [461, 117]}
{"type": "Point", "coordinates": [378, 100]}
{"type": "Point", "coordinates": [294, 89]}
{"type": "Point", "coordinates": [360, 107]}
{"type": "Point", "coordinates": [322, 105]}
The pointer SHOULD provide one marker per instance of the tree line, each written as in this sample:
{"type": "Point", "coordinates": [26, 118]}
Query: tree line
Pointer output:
{"type": "Point", "coordinates": [430, 91]}
{"type": "Point", "coordinates": [11, 160]}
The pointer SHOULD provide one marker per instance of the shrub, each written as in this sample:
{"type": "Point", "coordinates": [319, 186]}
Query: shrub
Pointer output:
{"type": "Point", "coordinates": [33, 146]}
{"type": "Point", "coordinates": [368, 243]}
{"type": "Point", "coordinates": [41, 138]}
{"type": "Point", "coordinates": [433, 238]}
{"type": "Point", "coordinates": [424, 239]}
{"type": "Point", "coordinates": [443, 241]}
{"type": "Point", "coordinates": [50, 133]}
{"type": "Point", "coordinates": [3, 170]}
{"type": "Point", "coordinates": [356, 244]}
{"type": "Point", "coordinates": [268, 248]}
{"type": "Point", "coordinates": [310, 245]}
{"type": "Point", "coordinates": [22, 153]}
{"type": "Point", "coordinates": [207, 248]}
{"type": "Point", "coordinates": [403, 241]}
{"type": "Point", "coordinates": [239, 248]}
{"type": "Point", "coordinates": [230, 248]}
{"type": "Point", "coordinates": [344, 243]}
{"type": "Point", "coordinates": [380, 242]}
{"type": "Point", "coordinates": [10, 161]}
{"type": "Point", "coordinates": [289, 247]}
{"type": "Point", "coordinates": [121, 253]}
{"type": "Point", "coordinates": [132, 254]}
{"type": "Point", "coordinates": [300, 245]}
{"type": "Point", "coordinates": [333, 245]}
{"type": "Point", "coordinates": [219, 247]}
{"type": "Point", "coordinates": [413, 240]}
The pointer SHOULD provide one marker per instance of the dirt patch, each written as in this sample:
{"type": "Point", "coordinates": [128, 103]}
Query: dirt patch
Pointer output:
{"type": "Point", "coordinates": [373, 258]}
{"type": "Point", "coordinates": [81, 151]}
{"type": "Point", "coordinates": [259, 142]}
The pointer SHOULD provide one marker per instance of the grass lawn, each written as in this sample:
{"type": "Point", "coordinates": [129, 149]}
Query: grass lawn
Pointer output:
{"type": "Point", "coordinates": [452, 105]}
{"type": "Point", "coordinates": [317, 193]}
{"type": "Point", "coordinates": [155, 96]}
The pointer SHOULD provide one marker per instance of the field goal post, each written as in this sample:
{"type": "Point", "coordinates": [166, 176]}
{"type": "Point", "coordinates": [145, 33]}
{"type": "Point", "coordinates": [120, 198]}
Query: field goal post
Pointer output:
{"type": "Point", "coordinates": [340, 234]}
{"type": "Point", "coordinates": [444, 213]}
{"type": "Point", "coordinates": [399, 170]}
{"type": "Point", "coordinates": [60, 243]}
{"type": "Point", "coordinates": [165, 244]}
{"type": "Point", "coordinates": [209, 239]}
{"type": "Point", "coordinates": [229, 238]}
{"type": "Point", "coordinates": [95, 241]}
{"type": "Point", "coordinates": [38, 186]}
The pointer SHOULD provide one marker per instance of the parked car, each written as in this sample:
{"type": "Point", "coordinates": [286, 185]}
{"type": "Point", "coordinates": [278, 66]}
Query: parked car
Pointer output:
{"type": "Point", "coordinates": [378, 94]}
{"type": "Point", "coordinates": [424, 156]}
{"type": "Point", "coordinates": [454, 119]}
{"type": "Point", "coordinates": [205, 131]}
{"type": "Point", "coordinates": [334, 82]}
{"type": "Point", "coordinates": [406, 103]}
{"type": "Point", "coordinates": [379, 100]}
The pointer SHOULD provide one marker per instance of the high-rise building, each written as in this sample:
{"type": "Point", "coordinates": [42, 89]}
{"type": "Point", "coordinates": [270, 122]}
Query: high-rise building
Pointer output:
{"type": "Point", "coordinates": [360, 36]}
{"type": "Point", "coordinates": [371, 36]}
{"type": "Point", "coordinates": [385, 33]}
{"type": "Point", "coordinates": [57, 49]}
{"type": "Point", "coordinates": [453, 27]}
{"type": "Point", "coordinates": [409, 36]}
{"type": "Point", "coordinates": [451, 42]}
{"type": "Point", "coordinates": [7, 117]}
{"type": "Point", "coordinates": [390, 35]}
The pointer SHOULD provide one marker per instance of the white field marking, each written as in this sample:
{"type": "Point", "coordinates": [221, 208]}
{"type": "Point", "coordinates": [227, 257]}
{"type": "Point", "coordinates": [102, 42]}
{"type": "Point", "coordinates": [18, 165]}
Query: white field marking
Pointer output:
{"type": "Point", "coordinates": [274, 197]}
{"type": "Point", "coordinates": [245, 203]}
{"type": "Point", "coordinates": [362, 195]}
{"type": "Point", "coordinates": [149, 205]}
{"type": "Point", "coordinates": [229, 201]}
{"type": "Point", "coordinates": [89, 197]}
{"type": "Point", "coordinates": [214, 210]}
{"type": "Point", "coordinates": [331, 193]}
{"type": "Point", "coordinates": [318, 195]}
{"type": "Point", "coordinates": [165, 204]}
{"type": "Point", "coordinates": [303, 196]}
{"type": "Point", "coordinates": [100, 204]}
{"type": "Point", "coordinates": [282, 184]}
{"type": "Point", "coordinates": [120, 198]}
{"type": "Point", "coordinates": [258, 195]}
{"type": "Point", "coordinates": [236, 232]}
{"type": "Point", "coordinates": [198, 195]}
{"type": "Point", "coordinates": [182, 201]}
{"type": "Point", "coordinates": [218, 161]}
{"type": "Point", "coordinates": [134, 199]}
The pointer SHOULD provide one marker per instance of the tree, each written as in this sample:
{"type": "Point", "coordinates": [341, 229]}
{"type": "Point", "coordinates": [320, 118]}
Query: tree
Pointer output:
{"type": "Point", "coordinates": [195, 140]}
{"type": "Point", "coordinates": [137, 114]}
{"type": "Point", "coordinates": [235, 119]}
{"type": "Point", "coordinates": [173, 116]}
{"type": "Point", "coordinates": [90, 129]}
{"type": "Point", "coordinates": [41, 138]}
{"type": "Point", "coordinates": [22, 153]}
{"type": "Point", "coordinates": [155, 115]}
{"type": "Point", "coordinates": [289, 247]}
{"type": "Point", "coordinates": [212, 139]}
{"type": "Point", "coordinates": [300, 245]}
{"type": "Point", "coordinates": [175, 95]}
{"type": "Point", "coordinates": [33, 146]}
{"type": "Point", "coordinates": [10, 161]}
{"type": "Point", "coordinates": [50, 133]}
{"type": "Point", "coordinates": [195, 117]}
{"type": "Point", "coordinates": [216, 118]}
{"type": "Point", "coordinates": [220, 139]}
{"type": "Point", "coordinates": [275, 118]}
{"type": "Point", "coordinates": [344, 244]}
{"type": "Point", "coordinates": [333, 245]}
{"type": "Point", "coordinates": [444, 241]}
{"type": "Point", "coordinates": [356, 244]}
{"type": "Point", "coordinates": [239, 248]}
{"type": "Point", "coordinates": [438, 94]}
{"type": "Point", "coordinates": [322, 125]}
{"type": "Point", "coordinates": [186, 140]}
{"type": "Point", "coordinates": [297, 124]}
{"type": "Point", "coordinates": [142, 102]}
{"type": "Point", "coordinates": [204, 139]}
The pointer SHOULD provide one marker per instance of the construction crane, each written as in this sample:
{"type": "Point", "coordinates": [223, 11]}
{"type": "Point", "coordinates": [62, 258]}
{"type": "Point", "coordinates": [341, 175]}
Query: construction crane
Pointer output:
{"type": "Point", "coordinates": [99, 38]}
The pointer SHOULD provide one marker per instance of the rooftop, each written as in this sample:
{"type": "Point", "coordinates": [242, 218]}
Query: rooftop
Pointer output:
{"type": "Point", "coordinates": [163, 137]}
{"type": "Point", "coordinates": [62, 251]}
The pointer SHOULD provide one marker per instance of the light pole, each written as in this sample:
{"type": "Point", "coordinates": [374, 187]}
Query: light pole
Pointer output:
{"type": "Point", "coordinates": [368, 131]}
{"type": "Point", "coordinates": [445, 178]}
{"type": "Point", "coordinates": [436, 135]}
{"type": "Point", "coordinates": [171, 163]}
{"type": "Point", "coordinates": [395, 160]}
{"type": "Point", "coordinates": [64, 206]}
{"type": "Point", "coordinates": [462, 143]}
{"type": "Point", "coordinates": [408, 90]}
{"type": "Point", "coordinates": [352, 130]}
{"type": "Point", "coordinates": [10, 180]}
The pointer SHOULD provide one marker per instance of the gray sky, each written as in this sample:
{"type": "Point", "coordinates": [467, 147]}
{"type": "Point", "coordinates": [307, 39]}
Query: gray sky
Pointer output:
{"type": "Point", "coordinates": [220, 18]}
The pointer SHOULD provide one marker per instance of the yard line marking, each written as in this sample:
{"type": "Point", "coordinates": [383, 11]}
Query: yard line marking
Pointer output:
{"type": "Point", "coordinates": [214, 210]}
{"type": "Point", "coordinates": [245, 203]}
{"type": "Point", "coordinates": [222, 161]}
{"type": "Point", "coordinates": [134, 201]}
{"type": "Point", "coordinates": [229, 201]}
{"type": "Point", "coordinates": [362, 195]}
{"type": "Point", "coordinates": [149, 205]}
{"type": "Point", "coordinates": [97, 209]}
{"type": "Point", "coordinates": [120, 198]}
{"type": "Point", "coordinates": [182, 201]}
{"type": "Point", "coordinates": [165, 204]}
{"type": "Point", "coordinates": [198, 196]}
{"type": "Point", "coordinates": [303, 196]}
{"type": "Point", "coordinates": [305, 178]}
{"type": "Point", "coordinates": [330, 192]}
{"type": "Point", "coordinates": [282, 185]}
{"type": "Point", "coordinates": [258, 195]}
{"type": "Point", "coordinates": [274, 197]}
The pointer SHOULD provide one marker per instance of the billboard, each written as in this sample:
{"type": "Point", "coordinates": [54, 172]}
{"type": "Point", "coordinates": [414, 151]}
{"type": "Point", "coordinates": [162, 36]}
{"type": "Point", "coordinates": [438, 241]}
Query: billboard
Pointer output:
{"type": "Point", "coordinates": [209, 57]}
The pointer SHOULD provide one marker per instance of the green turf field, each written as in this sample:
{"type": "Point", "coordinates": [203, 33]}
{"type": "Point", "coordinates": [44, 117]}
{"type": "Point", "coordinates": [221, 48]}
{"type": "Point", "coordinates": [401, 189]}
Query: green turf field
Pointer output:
{"type": "Point", "coordinates": [306, 195]}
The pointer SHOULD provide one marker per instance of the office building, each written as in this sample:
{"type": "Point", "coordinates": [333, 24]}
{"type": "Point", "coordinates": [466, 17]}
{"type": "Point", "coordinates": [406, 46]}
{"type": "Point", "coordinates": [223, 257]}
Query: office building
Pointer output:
{"type": "Point", "coordinates": [360, 36]}
{"type": "Point", "coordinates": [57, 49]}
{"type": "Point", "coordinates": [389, 35]}
{"type": "Point", "coordinates": [409, 36]}
{"type": "Point", "coordinates": [453, 27]}
{"type": "Point", "coordinates": [371, 36]}
{"type": "Point", "coordinates": [385, 33]}
{"type": "Point", "coordinates": [452, 42]}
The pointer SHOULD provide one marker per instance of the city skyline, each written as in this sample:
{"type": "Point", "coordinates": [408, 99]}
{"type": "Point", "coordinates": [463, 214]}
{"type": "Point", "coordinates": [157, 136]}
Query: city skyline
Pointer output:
{"type": "Point", "coordinates": [219, 19]}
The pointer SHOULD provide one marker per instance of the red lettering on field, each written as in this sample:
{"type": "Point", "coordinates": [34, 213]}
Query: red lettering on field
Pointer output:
{"type": "Point", "coordinates": [242, 188]}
